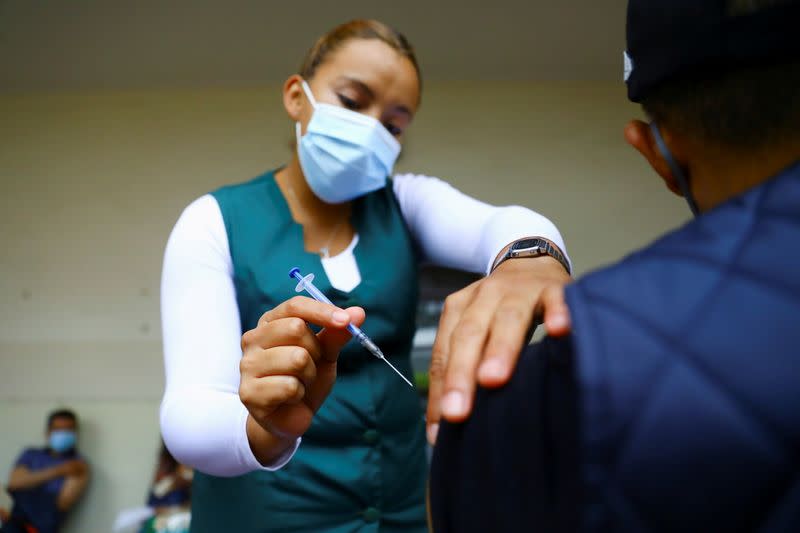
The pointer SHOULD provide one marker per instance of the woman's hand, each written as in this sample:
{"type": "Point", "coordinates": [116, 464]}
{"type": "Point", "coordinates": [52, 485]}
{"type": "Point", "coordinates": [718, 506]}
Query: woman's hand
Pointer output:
{"type": "Point", "coordinates": [287, 371]}
{"type": "Point", "coordinates": [483, 328]}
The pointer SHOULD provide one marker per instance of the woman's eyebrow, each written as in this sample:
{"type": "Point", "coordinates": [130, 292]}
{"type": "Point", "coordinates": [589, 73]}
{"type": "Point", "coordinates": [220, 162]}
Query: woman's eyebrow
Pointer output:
{"type": "Point", "coordinates": [360, 84]}
{"type": "Point", "coordinates": [403, 109]}
{"type": "Point", "coordinates": [371, 94]}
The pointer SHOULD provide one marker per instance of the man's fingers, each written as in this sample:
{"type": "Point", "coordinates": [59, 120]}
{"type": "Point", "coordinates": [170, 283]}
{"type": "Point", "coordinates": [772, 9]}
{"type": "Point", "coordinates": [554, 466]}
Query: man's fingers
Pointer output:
{"type": "Point", "coordinates": [451, 314]}
{"type": "Point", "coordinates": [333, 339]}
{"type": "Point", "coordinates": [508, 333]}
{"type": "Point", "coordinates": [308, 309]}
{"type": "Point", "coordinates": [466, 350]}
{"type": "Point", "coordinates": [553, 307]}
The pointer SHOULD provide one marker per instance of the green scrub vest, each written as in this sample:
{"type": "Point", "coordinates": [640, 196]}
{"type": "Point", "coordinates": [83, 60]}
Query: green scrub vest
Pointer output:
{"type": "Point", "coordinates": [361, 466]}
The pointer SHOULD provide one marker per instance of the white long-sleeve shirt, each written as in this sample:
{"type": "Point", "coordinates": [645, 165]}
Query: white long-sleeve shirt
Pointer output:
{"type": "Point", "coordinates": [203, 422]}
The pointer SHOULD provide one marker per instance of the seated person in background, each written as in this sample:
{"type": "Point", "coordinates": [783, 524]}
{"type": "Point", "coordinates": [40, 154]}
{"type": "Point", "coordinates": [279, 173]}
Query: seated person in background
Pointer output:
{"type": "Point", "coordinates": [170, 494]}
{"type": "Point", "coordinates": [674, 404]}
{"type": "Point", "coordinates": [47, 482]}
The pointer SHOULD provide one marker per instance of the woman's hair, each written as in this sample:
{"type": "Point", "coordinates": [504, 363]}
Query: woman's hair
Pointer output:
{"type": "Point", "coordinates": [167, 464]}
{"type": "Point", "coordinates": [356, 29]}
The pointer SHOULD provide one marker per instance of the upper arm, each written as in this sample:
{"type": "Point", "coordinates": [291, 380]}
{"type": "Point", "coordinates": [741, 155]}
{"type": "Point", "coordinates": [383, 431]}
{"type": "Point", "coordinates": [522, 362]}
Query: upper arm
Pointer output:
{"type": "Point", "coordinates": [518, 450]}
{"type": "Point", "coordinates": [203, 421]}
{"type": "Point", "coordinates": [72, 489]}
{"type": "Point", "coordinates": [199, 313]}
{"type": "Point", "coordinates": [446, 223]}
{"type": "Point", "coordinates": [457, 231]}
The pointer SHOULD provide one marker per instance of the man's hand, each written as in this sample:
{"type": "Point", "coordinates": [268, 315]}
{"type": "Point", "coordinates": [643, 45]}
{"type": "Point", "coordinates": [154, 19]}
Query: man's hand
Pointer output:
{"type": "Point", "coordinates": [287, 371]}
{"type": "Point", "coordinates": [22, 478]}
{"type": "Point", "coordinates": [73, 467]}
{"type": "Point", "coordinates": [483, 329]}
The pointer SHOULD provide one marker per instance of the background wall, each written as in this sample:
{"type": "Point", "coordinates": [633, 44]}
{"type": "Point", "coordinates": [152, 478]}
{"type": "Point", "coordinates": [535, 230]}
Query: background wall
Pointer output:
{"type": "Point", "coordinates": [91, 184]}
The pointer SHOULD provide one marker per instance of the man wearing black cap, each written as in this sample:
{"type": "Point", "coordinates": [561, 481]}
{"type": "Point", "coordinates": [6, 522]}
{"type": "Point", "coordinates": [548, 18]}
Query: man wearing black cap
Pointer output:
{"type": "Point", "coordinates": [674, 405]}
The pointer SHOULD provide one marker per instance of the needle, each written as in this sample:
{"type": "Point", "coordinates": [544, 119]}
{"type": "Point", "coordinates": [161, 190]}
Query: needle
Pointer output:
{"type": "Point", "coordinates": [306, 283]}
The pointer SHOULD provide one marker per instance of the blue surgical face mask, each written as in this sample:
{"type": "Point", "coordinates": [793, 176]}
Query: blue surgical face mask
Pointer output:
{"type": "Point", "coordinates": [344, 154]}
{"type": "Point", "coordinates": [62, 440]}
{"type": "Point", "coordinates": [677, 171]}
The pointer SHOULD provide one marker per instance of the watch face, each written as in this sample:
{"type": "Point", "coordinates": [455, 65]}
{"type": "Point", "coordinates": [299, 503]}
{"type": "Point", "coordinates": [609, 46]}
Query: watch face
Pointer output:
{"type": "Point", "coordinates": [526, 244]}
{"type": "Point", "coordinates": [534, 247]}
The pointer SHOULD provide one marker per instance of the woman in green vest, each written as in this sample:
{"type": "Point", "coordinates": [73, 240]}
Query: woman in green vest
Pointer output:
{"type": "Point", "coordinates": [284, 436]}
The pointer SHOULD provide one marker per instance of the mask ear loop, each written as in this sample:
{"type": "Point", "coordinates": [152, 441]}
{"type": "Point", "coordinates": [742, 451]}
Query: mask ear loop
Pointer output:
{"type": "Point", "coordinates": [677, 171]}
{"type": "Point", "coordinates": [312, 101]}
{"type": "Point", "coordinates": [309, 94]}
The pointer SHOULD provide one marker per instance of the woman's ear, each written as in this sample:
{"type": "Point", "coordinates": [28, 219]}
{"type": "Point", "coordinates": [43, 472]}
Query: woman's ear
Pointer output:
{"type": "Point", "coordinates": [638, 135]}
{"type": "Point", "coordinates": [294, 100]}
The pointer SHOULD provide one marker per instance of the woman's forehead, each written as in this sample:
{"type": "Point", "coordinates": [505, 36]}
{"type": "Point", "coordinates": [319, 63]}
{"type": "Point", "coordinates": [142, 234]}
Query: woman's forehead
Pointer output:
{"type": "Point", "coordinates": [385, 71]}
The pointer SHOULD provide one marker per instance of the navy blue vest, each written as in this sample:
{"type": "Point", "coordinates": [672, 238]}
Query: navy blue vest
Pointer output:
{"type": "Point", "coordinates": [688, 354]}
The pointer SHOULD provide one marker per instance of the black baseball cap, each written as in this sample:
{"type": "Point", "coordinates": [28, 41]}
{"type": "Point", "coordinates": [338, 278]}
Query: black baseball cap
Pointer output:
{"type": "Point", "coordinates": [670, 40]}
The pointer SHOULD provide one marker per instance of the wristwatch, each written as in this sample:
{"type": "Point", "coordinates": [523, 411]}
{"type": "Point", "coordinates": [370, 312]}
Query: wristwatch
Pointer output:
{"type": "Point", "coordinates": [532, 248]}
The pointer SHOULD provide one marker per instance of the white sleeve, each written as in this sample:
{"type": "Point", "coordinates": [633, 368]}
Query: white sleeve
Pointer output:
{"type": "Point", "coordinates": [203, 422]}
{"type": "Point", "coordinates": [457, 231]}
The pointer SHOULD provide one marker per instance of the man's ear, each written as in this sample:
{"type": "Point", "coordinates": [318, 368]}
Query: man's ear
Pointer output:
{"type": "Point", "coordinates": [293, 97]}
{"type": "Point", "coordinates": [638, 135]}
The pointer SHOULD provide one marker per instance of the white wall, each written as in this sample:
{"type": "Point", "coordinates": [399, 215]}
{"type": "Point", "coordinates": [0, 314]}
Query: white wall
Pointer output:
{"type": "Point", "coordinates": [90, 185]}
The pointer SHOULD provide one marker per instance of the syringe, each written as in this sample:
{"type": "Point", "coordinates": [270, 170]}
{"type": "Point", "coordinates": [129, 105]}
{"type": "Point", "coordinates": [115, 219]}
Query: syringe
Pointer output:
{"type": "Point", "coordinates": [306, 284]}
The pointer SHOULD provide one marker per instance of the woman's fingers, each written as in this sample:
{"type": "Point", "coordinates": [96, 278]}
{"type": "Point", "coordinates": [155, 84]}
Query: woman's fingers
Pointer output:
{"type": "Point", "coordinates": [309, 310]}
{"type": "Point", "coordinates": [286, 370]}
{"type": "Point", "coordinates": [333, 339]}
{"type": "Point", "coordinates": [454, 306]}
{"type": "Point", "coordinates": [290, 331]}
{"type": "Point", "coordinates": [553, 307]}
{"type": "Point", "coordinates": [510, 327]}
{"type": "Point", "coordinates": [262, 396]}
{"type": "Point", "coordinates": [275, 376]}
{"type": "Point", "coordinates": [466, 352]}
{"type": "Point", "coordinates": [480, 341]}
{"type": "Point", "coordinates": [293, 361]}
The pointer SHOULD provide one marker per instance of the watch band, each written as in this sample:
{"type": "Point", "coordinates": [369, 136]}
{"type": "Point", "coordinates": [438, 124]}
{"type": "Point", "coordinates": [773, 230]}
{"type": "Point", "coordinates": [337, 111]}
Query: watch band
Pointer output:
{"type": "Point", "coordinates": [532, 247]}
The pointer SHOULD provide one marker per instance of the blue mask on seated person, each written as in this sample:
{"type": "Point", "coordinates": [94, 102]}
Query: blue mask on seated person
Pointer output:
{"type": "Point", "coordinates": [62, 440]}
{"type": "Point", "coordinates": [344, 154]}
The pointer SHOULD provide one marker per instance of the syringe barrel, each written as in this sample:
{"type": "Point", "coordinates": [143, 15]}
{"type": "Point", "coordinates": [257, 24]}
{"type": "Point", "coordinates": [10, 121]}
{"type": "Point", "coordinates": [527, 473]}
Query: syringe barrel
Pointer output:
{"type": "Point", "coordinates": [309, 287]}
{"type": "Point", "coordinates": [316, 293]}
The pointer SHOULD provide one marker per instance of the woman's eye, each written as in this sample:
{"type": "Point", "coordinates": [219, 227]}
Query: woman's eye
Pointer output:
{"type": "Point", "coordinates": [394, 130]}
{"type": "Point", "coordinates": [348, 102]}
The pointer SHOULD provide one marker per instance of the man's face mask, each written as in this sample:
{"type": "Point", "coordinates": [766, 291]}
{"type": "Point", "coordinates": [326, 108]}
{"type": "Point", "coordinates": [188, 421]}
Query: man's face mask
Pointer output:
{"type": "Point", "coordinates": [62, 440]}
{"type": "Point", "coordinates": [677, 171]}
{"type": "Point", "coordinates": [344, 154]}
